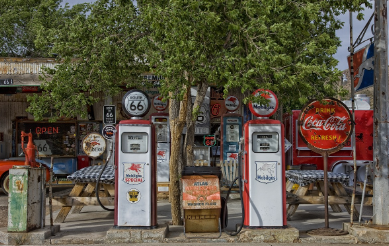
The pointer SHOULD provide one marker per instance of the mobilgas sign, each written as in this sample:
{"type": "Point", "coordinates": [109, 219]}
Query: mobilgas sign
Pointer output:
{"type": "Point", "coordinates": [260, 110]}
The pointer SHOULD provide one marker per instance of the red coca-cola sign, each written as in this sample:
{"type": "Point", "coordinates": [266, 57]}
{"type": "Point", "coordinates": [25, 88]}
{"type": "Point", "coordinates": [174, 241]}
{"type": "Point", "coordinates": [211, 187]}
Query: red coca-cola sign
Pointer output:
{"type": "Point", "coordinates": [325, 125]}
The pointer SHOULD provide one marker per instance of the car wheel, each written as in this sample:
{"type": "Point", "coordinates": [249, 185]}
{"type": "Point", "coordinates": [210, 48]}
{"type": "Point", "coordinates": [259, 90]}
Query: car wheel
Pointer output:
{"type": "Point", "coordinates": [5, 183]}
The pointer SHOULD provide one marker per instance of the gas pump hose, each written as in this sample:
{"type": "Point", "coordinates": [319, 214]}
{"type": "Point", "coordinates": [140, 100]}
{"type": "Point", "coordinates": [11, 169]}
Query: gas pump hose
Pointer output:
{"type": "Point", "coordinates": [241, 202]}
{"type": "Point", "coordinates": [97, 188]}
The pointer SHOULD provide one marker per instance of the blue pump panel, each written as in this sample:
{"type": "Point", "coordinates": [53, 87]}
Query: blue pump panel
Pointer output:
{"type": "Point", "coordinates": [232, 132]}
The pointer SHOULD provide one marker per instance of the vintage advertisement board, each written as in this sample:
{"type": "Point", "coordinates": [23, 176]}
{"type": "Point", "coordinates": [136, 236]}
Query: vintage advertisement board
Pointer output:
{"type": "Point", "coordinates": [325, 126]}
{"type": "Point", "coordinates": [200, 192]}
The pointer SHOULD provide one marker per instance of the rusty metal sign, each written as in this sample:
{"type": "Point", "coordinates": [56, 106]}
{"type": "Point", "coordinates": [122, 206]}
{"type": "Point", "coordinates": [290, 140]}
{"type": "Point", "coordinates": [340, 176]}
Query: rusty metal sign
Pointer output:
{"type": "Point", "coordinates": [201, 192]}
{"type": "Point", "coordinates": [325, 127]}
{"type": "Point", "coordinates": [94, 145]}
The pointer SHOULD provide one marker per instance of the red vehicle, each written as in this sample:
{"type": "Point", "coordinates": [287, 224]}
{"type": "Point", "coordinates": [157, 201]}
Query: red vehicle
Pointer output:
{"type": "Point", "coordinates": [28, 160]}
{"type": "Point", "coordinates": [7, 164]}
{"type": "Point", "coordinates": [341, 161]}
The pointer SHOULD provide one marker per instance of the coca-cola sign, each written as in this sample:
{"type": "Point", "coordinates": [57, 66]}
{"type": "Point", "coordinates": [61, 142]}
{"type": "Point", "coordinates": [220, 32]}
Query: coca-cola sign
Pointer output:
{"type": "Point", "coordinates": [325, 125]}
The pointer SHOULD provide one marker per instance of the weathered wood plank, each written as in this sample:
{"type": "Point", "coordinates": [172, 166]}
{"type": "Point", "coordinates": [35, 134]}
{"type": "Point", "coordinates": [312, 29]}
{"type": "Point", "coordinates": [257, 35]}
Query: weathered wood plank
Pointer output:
{"type": "Point", "coordinates": [335, 207]}
{"type": "Point", "coordinates": [83, 201]}
{"type": "Point", "coordinates": [301, 191]}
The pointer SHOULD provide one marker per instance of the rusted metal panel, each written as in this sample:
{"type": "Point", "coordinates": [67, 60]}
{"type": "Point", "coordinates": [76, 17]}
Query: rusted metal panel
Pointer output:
{"type": "Point", "coordinates": [18, 66]}
{"type": "Point", "coordinates": [201, 220]}
{"type": "Point", "coordinates": [201, 192]}
{"type": "Point", "coordinates": [24, 209]}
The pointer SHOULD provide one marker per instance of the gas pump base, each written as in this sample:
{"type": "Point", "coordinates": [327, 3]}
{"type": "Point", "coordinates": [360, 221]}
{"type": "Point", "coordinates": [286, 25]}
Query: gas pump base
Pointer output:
{"type": "Point", "coordinates": [155, 235]}
{"type": "Point", "coordinates": [35, 237]}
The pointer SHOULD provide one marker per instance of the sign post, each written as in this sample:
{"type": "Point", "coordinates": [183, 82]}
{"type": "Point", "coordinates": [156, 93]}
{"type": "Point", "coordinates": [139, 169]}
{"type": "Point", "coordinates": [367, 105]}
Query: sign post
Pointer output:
{"type": "Point", "coordinates": [325, 126]}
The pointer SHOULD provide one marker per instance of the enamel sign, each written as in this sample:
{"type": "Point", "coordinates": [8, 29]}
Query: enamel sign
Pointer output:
{"type": "Point", "coordinates": [325, 126]}
{"type": "Point", "coordinates": [260, 110]}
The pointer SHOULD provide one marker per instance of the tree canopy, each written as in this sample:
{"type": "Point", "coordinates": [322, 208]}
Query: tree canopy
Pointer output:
{"type": "Point", "coordinates": [282, 45]}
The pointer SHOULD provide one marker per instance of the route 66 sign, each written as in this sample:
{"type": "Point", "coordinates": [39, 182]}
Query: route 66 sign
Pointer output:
{"type": "Point", "coordinates": [136, 103]}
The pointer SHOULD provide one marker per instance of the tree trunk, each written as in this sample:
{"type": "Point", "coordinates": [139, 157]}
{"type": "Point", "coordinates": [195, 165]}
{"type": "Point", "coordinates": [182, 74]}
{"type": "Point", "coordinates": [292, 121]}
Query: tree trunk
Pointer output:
{"type": "Point", "coordinates": [191, 121]}
{"type": "Point", "coordinates": [177, 113]}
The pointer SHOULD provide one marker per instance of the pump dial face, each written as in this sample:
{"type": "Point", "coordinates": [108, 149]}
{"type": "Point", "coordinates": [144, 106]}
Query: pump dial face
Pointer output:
{"type": "Point", "coordinates": [136, 103]}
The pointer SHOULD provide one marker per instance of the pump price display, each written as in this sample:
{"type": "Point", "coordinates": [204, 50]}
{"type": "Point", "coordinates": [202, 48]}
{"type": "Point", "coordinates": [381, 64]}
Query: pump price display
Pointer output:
{"type": "Point", "coordinates": [232, 133]}
{"type": "Point", "coordinates": [136, 103]}
{"type": "Point", "coordinates": [265, 142]}
{"type": "Point", "coordinates": [134, 142]}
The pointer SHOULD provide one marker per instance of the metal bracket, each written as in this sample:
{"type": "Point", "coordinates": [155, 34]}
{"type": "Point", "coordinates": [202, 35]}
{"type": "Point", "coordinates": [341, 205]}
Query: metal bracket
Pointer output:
{"type": "Point", "coordinates": [220, 233]}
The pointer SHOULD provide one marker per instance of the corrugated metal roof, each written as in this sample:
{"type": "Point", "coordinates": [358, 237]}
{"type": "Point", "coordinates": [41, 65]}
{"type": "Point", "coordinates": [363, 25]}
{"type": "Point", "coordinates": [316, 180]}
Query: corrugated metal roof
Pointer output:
{"type": "Point", "coordinates": [19, 66]}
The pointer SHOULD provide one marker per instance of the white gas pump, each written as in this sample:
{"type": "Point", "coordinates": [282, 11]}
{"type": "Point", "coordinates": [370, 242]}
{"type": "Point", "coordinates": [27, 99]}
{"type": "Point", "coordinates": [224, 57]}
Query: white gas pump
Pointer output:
{"type": "Point", "coordinates": [162, 135]}
{"type": "Point", "coordinates": [135, 174]}
{"type": "Point", "coordinates": [264, 193]}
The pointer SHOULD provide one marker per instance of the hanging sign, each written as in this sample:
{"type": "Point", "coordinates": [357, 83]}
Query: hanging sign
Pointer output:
{"type": "Point", "coordinates": [93, 145]}
{"type": "Point", "coordinates": [231, 103]}
{"type": "Point", "coordinates": [363, 63]}
{"type": "Point", "coordinates": [325, 127]}
{"type": "Point", "coordinates": [136, 103]}
{"type": "Point", "coordinates": [260, 110]}
{"type": "Point", "coordinates": [109, 114]}
{"type": "Point", "coordinates": [158, 104]}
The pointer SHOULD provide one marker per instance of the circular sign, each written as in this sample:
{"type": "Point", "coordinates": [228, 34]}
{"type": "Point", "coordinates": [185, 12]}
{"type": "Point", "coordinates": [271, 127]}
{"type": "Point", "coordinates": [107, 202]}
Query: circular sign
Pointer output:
{"type": "Point", "coordinates": [325, 127]}
{"type": "Point", "coordinates": [108, 131]}
{"type": "Point", "coordinates": [158, 104]}
{"type": "Point", "coordinates": [136, 103]}
{"type": "Point", "coordinates": [232, 103]}
{"type": "Point", "coordinates": [260, 110]}
{"type": "Point", "coordinates": [93, 145]}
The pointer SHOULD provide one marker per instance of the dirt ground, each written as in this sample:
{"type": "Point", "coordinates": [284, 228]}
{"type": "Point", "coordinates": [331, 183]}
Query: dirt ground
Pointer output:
{"type": "Point", "coordinates": [3, 216]}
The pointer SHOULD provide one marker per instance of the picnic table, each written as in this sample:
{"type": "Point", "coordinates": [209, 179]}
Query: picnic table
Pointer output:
{"type": "Point", "coordinates": [310, 190]}
{"type": "Point", "coordinates": [83, 192]}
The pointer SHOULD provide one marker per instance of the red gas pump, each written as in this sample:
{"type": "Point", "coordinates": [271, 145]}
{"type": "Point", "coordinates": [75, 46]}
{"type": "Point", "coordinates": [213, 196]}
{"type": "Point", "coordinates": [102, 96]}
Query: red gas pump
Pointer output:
{"type": "Point", "coordinates": [135, 173]}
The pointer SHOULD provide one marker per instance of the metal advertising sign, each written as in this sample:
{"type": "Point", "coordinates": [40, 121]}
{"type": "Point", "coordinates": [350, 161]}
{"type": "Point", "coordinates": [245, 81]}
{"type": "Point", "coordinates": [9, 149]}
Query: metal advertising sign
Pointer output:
{"type": "Point", "coordinates": [232, 103]}
{"type": "Point", "coordinates": [325, 127]}
{"type": "Point", "coordinates": [158, 104]}
{"type": "Point", "coordinates": [108, 131]}
{"type": "Point", "coordinates": [260, 110]}
{"type": "Point", "coordinates": [109, 114]}
{"type": "Point", "coordinates": [363, 60]}
{"type": "Point", "coordinates": [93, 145]}
{"type": "Point", "coordinates": [200, 192]}
{"type": "Point", "coordinates": [136, 103]}
{"type": "Point", "coordinates": [134, 173]}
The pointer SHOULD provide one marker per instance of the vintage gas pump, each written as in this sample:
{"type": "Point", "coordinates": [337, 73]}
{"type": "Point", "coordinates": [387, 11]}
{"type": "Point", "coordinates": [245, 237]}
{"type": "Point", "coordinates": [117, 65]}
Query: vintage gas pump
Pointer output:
{"type": "Point", "coordinates": [27, 192]}
{"type": "Point", "coordinates": [135, 175]}
{"type": "Point", "coordinates": [264, 193]}
{"type": "Point", "coordinates": [162, 134]}
{"type": "Point", "coordinates": [231, 130]}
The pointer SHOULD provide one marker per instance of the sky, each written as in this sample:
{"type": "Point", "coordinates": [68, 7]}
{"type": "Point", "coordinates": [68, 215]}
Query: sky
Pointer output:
{"type": "Point", "coordinates": [343, 34]}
